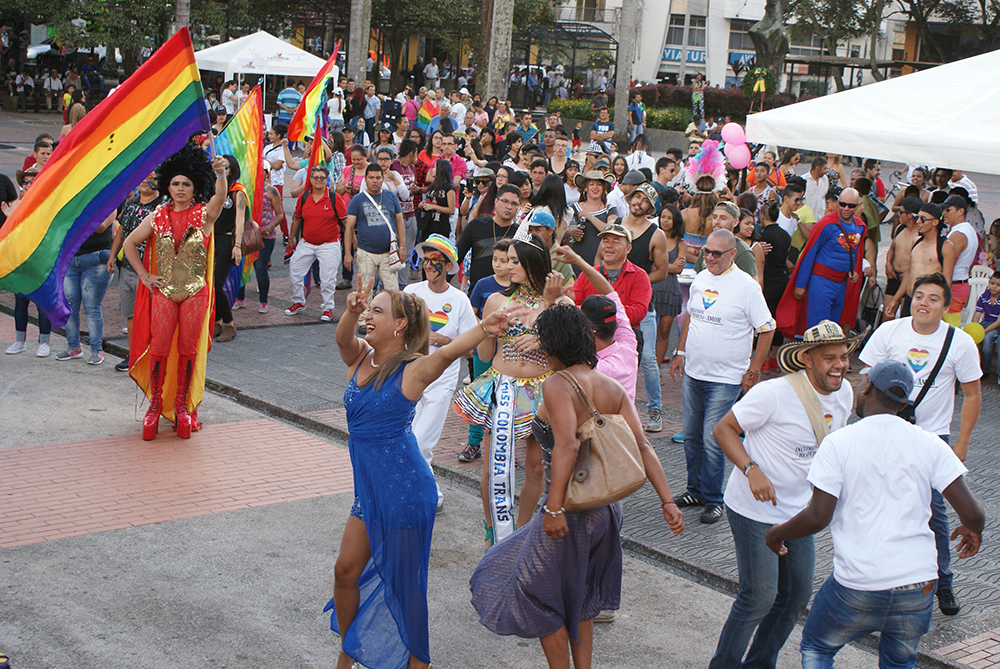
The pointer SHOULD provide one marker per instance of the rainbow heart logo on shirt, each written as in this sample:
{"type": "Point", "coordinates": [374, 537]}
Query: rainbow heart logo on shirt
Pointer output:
{"type": "Point", "coordinates": [438, 320]}
{"type": "Point", "coordinates": [917, 359]}
{"type": "Point", "coordinates": [708, 297]}
{"type": "Point", "coordinates": [828, 418]}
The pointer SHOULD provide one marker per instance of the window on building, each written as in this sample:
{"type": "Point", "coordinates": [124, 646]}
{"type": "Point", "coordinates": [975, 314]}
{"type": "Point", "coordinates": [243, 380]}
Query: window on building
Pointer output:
{"type": "Point", "coordinates": [739, 37]}
{"type": "Point", "coordinates": [806, 45]}
{"type": "Point", "coordinates": [675, 30]}
{"type": "Point", "coordinates": [855, 51]}
{"type": "Point", "coordinates": [696, 31]}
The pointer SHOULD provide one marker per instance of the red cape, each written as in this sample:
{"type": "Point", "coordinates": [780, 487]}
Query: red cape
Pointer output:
{"type": "Point", "coordinates": [790, 315]}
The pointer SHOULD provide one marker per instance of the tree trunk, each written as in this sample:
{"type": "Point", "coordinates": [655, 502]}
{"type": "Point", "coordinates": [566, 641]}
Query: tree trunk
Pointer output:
{"type": "Point", "coordinates": [769, 38]}
{"type": "Point", "coordinates": [360, 29]}
{"type": "Point", "coordinates": [874, 21]}
{"type": "Point", "coordinates": [183, 14]}
{"type": "Point", "coordinates": [623, 69]}
{"type": "Point", "coordinates": [497, 66]}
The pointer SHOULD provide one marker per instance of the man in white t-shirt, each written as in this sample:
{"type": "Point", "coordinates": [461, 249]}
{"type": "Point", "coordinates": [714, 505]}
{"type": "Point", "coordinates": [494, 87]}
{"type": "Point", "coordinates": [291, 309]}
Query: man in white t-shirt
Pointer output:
{"type": "Point", "coordinates": [768, 485]}
{"type": "Point", "coordinates": [874, 480]}
{"type": "Point", "coordinates": [966, 242]}
{"type": "Point", "coordinates": [451, 314]}
{"type": "Point", "coordinates": [726, 307]}
{"type": "Point", "coordinates": [791, 199]}
{"type": "Point", "coordinates": [917, 342]}
{"type": "Point", "coordinates": [817, 184]}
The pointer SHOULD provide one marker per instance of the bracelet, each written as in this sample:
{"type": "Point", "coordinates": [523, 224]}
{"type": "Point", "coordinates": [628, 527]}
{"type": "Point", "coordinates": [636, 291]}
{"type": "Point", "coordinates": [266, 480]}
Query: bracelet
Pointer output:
{"type": "Point", "coordinates": [483, 328]}
{"type": "Point", "coordinates": [752, 373]}
{"type": "Point", "coordinates": [238, 246]}
{"type": "Point", "coordinates": [748, 466]}
{"type": "Point", "coordinates": [666, 504]}
{"type": "Point", "coordinates": [554, 514]}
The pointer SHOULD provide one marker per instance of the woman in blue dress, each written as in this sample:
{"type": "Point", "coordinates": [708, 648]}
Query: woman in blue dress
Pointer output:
{"type": "Point", "coordinates": [380, 578]}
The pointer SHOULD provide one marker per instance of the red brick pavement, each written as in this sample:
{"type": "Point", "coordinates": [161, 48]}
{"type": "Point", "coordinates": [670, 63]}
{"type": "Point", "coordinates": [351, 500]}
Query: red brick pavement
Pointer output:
{"type": "Point", "coordinates": [978, 652]}
{"type": "Point", "coordinates": [70, 489]}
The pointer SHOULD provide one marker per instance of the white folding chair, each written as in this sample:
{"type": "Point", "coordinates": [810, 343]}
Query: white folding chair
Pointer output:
{"type": "Point", "coordinates": [980, 271]}
{"type": "Point", "coordinates": [977, 285]}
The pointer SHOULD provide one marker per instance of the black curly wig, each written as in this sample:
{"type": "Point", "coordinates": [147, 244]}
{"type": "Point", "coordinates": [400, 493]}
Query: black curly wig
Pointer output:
{"type": "Point", "coordinates": [565, 334]}
{"type": "Point", "coordinates": [193, 163]}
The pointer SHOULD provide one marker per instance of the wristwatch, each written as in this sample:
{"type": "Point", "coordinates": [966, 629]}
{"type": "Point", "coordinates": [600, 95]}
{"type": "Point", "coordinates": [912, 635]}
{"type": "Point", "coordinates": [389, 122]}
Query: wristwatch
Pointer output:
{"type": "Point", "coordinates": [678, 352]}
{"type": "Point", "coordinates": [748, 466]}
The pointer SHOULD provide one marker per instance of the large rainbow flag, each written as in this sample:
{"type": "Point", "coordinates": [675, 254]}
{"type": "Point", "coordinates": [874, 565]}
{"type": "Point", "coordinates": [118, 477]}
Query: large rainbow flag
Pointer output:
{"type": "Point", "coordinates": [95, 167]}
{"type": "Point", "coordinates": [427, 111]}
{"type": "Point", "coordinates": [243, 138]}
{"type": "Point", "coordinates": [303, 121]}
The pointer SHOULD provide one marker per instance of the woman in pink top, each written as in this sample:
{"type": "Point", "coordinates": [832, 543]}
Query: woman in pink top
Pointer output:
{"type": "Point", "coordinates": [617, 353]}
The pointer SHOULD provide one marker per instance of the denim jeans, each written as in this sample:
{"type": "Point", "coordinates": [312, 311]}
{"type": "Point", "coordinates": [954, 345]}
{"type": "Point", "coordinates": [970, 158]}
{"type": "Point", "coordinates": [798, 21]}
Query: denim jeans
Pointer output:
{"type": "Point", "coordinates": [86, 282]}
{"type": "Point", "coordinates": [705, 403]}
{"type": "Point", "coordinates": [773, 593]}
{"type": "Point", "coordinates": [840, 615]}
{"type": "Point", "coordinates": [260, 268]}
{"type": "Point", "coordinates": [21, 303]}
{"type": "Point", "coordinates": [989, 353]}
{"type": "Point", "coordinates": [942, 531]}
{"type": "Point", "coordinates": [650, 368]}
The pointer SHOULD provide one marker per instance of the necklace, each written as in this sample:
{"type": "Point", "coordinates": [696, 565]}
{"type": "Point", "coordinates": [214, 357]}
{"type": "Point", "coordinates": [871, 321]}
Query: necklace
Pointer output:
{"type": "Point", "coordinates": [527, 297]}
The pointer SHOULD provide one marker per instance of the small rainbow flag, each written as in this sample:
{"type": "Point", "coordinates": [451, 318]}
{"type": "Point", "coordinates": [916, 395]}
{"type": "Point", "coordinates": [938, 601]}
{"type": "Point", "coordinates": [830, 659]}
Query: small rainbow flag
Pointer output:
{"type": "Point", "coordinates": [303, 121]}
{"type": "Point", "coordinates": [243, 138]}
{"type": "Point", "coordinates": [317, 155]}
{"type": "Point", "coordinates": [428, 110]}
{"type": "Point", "coordinates": [115, 146]}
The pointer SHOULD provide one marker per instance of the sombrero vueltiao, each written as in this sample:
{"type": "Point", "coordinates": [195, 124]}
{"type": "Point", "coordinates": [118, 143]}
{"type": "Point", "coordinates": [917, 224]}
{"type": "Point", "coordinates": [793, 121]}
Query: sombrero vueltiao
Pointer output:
{"type": "Point", "coordinates": [821, 334]}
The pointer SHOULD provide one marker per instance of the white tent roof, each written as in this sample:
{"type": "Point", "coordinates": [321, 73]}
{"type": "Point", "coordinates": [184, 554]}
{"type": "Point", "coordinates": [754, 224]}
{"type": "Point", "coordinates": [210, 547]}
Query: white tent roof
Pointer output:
{"type": "Point", "coordinates": [947, 116]}
{"type": "Point", "coordinates": [260, 53]}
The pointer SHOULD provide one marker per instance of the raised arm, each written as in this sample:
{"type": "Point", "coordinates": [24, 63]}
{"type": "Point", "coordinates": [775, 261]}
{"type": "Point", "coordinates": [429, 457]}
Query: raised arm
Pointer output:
{"type": "Point", "coordinates": [351, 346]}
{"type": "Point", "coordinates": [214, 206]}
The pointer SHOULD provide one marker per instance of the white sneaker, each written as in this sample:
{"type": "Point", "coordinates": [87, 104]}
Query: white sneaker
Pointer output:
{"type": "Point", "coordinates": [17, 347]}
{"type": "Point", "coordinates": [43, 351]}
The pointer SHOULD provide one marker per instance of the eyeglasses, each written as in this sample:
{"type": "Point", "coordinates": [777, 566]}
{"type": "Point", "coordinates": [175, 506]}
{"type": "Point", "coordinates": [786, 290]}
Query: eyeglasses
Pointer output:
{"type": "Point", "coordinates": [509, 203]}
{"type": "Point", "coordinates": [716, 254]}
{"type": "Point", "coordinates": [848, 205]}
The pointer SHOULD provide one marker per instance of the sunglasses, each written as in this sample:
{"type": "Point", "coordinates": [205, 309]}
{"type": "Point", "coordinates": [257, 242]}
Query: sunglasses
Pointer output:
{"type": "Point", "coordinates": [927, 219]}
{"type": "Point", "coordinates": [484, 182]}
{"type": "Point", "coordinates": [716, 254]}
{"type": "Point", "coordinates": [848, 205]}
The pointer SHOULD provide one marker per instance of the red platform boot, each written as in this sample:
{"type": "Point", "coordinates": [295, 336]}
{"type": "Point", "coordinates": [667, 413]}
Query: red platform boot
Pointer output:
{"type": "Point", "coordinates": [151, 421]}
{"type": "Point", "coordinates": [185, 422]}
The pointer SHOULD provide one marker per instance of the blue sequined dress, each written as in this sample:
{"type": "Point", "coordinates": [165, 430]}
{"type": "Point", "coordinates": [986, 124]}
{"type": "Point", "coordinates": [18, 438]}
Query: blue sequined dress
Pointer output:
{"type": "Point", "coordinates": [397, 499]}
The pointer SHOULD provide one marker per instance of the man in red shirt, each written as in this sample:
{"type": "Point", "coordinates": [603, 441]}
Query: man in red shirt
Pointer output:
{"type": "Point", "coordinates": [319, 213]}
{"type": "Point", "coordinates": [629, 281]}
{"type": "Point", "coordinates": [458, 164]}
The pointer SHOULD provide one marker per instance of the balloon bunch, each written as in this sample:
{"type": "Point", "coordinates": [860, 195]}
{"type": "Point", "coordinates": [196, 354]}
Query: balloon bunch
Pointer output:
{"type": "Point", "coordinates": [737, 151]}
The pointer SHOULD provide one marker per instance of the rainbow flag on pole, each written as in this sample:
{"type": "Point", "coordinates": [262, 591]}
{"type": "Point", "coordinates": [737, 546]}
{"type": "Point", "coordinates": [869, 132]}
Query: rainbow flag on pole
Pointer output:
{"type": "Point", "coordinates": [303, 121]}
{"type": "Point", "coordinates": [427, 111]}
{"type": "Point", "coordinates": [95, 167]}
{"type": "Point", "coordinates": [243, 138]}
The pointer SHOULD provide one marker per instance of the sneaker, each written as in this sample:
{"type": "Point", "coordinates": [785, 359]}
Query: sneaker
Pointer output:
{"type": "Point", "coordinates": [70, 354]}
{"type": "Point", "coordinates": [440, 505]}
{"type": "Point", "coordinates": [263, 308]}
{"type": "Point", "coordinates": [327, 316]}
{"type": "Point", "coordinates": [43, 350]}
{"type": "Point", "coordinates": [606, 617]}
{"type": "Point", "coordinates": [678, 438]}
{"type": "Point", "coordinates": [345, 285]}
{"type": "Point", "coordinates": [284, 241]}
{"type": "Point", "coordinates": [471, 452]}
{"type": "Point", "coordinates": [239, 304]}
{"type": "Point", "coordinates": [122, 366]}
{"type": "Point", "coordinates": [294, 309]}
{"type": "Point", "coordinates": [17, 347]}
{"type": "Point", "coordinates": [655, 423]}
{"type": "Point", "coordinates": [288, 256]}
{"type": "Point", "coordinates": [96, 358]}
{"type": "Point", "coordinates": [687, 499]}
{"type": "Point", "coordinates": [711, 514]}
{"type": "Point", "coordinates": [947, 602]}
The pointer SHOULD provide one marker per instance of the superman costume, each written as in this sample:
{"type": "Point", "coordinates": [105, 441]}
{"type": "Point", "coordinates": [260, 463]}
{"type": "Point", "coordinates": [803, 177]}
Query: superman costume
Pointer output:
{"type": "Point", "coordinates": [834, 250]}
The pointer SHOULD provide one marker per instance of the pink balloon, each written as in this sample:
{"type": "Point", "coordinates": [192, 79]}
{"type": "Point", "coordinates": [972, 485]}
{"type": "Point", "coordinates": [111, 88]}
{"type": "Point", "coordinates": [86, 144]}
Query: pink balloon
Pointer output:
{"type": "Point", "coordinates": [738, 155]}
{"type": "Point", "coordinates": [733, 133]}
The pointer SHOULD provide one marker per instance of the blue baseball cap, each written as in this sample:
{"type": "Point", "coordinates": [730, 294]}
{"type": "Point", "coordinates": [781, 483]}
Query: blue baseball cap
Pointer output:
{"type": "Point", "coordinates": [893, 378]}
{"type": "Point", "coordinates": [542, 218]}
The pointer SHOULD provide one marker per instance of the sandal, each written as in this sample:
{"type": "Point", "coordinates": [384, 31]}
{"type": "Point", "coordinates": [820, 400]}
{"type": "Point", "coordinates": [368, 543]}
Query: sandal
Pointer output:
{"type": "Point", "coordinates": [489, 535]}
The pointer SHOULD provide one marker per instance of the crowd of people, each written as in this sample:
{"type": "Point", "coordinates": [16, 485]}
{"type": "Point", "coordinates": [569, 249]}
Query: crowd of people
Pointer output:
{"type": "Point", "coordinates": [554, 268]}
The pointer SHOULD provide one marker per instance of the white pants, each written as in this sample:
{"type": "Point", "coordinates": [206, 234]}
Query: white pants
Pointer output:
{"type": "Point", "coordinates": [431, 412]}
{"type": "Point", "coordinates": [370, 263]}
{"type": "Point", "coordinates": [329, 263]}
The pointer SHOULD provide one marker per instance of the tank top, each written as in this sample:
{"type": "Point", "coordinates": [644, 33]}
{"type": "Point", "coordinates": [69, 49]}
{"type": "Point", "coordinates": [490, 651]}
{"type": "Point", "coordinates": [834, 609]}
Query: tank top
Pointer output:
{"type": "Point", "coordinates": [639, 255]}
{"type": "Point", "coordinates": [965, 259]}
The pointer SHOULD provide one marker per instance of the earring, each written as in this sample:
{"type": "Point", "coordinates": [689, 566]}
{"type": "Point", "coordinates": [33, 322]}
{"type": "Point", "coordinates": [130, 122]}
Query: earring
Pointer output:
{"type": "Point", "coordinates": [395, 333]}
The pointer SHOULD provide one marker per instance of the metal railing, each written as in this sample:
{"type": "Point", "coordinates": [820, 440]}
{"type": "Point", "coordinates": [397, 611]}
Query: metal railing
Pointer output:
{"type": "Point", "coordinates": [586, 14]}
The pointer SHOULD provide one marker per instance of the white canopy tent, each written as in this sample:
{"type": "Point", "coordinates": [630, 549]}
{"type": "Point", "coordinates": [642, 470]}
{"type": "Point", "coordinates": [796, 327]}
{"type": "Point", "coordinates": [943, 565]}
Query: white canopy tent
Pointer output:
{"type": "Point", "coordinates": [259, 53]}
{"type": "Point", "coordinates": [947, 116]}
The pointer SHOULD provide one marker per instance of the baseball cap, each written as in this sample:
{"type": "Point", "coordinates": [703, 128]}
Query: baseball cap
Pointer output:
{"type": "Point", "coordinates": [650, 194]}
{"type": "Point", "coordinates": [911, 205]}
{"type": "Point", "coordinates": [615, 229]}
{"type": "Point", "coordinates": [893, 378]}
{"type": "Point", "coordinates": [595, 147]}
{"type": "Point", "coordinates": [542, 218]}
{"type": "Point", "coordinates": [633, 178]}
{"type": "Point", "coordinates": [601, 162]}
{"type": "Point", "coordinates": [599, 309]}
{"type": "Point", "coordinates": [387, 126]}
{"type": "Point", "coordinates": [932, 209]}
{"type": "Point", "coordinates": [730, 208]}
{"type": "Point", "coordinates": [464, 91]}
{"type": "Point", "coordinates": [956, 201]}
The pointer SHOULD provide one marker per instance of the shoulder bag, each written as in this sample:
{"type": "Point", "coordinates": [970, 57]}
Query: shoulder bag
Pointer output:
{"type": "Point", "coordinates": [395, 263]}
{"type": "Point", "coordinates": [803, 389]}
{"type": "Point", "coordinates": [252, 241]}
{"type": "Point", "coordinates": [908, 412]}
{"type": "Point", "coordinates": [608, 465]}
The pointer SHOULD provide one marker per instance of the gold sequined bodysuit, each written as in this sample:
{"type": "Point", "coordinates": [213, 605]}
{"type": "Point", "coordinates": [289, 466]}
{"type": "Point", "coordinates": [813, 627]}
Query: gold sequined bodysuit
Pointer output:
{"type": "Point", "coordinates": [517, 329]}
{"type": "Point", "coordinates": [184, 262]}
